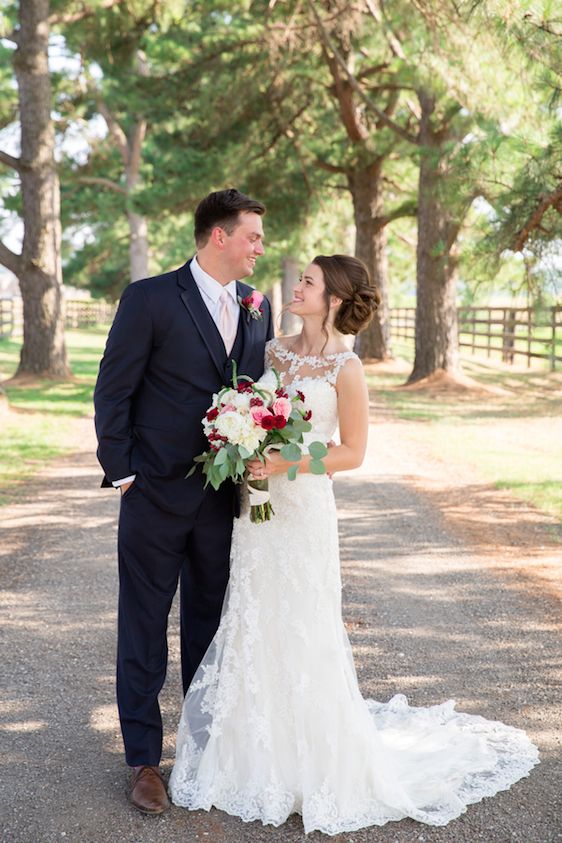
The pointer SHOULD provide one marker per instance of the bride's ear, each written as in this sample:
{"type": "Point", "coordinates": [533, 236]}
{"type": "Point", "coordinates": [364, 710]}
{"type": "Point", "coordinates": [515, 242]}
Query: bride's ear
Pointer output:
{"type": "Point", "coordinates": [334, 301]}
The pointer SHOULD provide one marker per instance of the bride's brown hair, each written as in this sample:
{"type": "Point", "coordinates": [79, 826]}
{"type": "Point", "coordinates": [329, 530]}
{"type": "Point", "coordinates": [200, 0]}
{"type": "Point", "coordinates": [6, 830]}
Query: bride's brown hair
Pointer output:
{"type": "Point", "coordinates": [347, 278]}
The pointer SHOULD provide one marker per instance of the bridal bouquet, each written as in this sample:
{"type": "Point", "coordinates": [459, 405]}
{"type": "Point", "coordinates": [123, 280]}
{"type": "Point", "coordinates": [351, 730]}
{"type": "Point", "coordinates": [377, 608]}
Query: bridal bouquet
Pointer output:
{"type": "Point", "coordinates": [246, 421]}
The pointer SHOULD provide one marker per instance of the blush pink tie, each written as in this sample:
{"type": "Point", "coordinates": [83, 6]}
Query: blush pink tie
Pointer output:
{"type": "Point", "coordinates": [227, 323]}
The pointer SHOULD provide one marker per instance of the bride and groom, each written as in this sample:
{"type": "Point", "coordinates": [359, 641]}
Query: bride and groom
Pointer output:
{"type": "Point", "coordinates": [273, 722]}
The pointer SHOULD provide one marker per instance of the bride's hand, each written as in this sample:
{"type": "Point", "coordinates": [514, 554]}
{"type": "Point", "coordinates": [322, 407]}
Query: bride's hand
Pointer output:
{"type": "Point", "coordinates": [274, 464]}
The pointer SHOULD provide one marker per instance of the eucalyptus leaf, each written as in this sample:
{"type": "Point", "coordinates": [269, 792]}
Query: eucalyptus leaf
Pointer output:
{"type": "Point", "coordinates": [221, 457]}
{"type": "Point", "coordinates": [301, 425]}
{"type": "Point", "coordinates": [317, 467]}
{"type": "Point", "coordinates": [317, 450]}
{"type": "Point", "coordinates": [291, 452]}
{"type": "Point", "coordinates": [292, 472]}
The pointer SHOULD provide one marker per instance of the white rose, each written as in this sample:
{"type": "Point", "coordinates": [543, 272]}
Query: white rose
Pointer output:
{"type": "Point", "coordinates": [229, 396]}
{"type": "Point", "coordinates": [242, 400]}
{"type": "Point", "coordinates": [230, 425]}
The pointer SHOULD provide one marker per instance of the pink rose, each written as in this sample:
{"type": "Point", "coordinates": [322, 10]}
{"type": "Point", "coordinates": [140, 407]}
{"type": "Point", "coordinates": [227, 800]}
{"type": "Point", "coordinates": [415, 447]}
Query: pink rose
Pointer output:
{"type": "Point", "coordinates": [259, 413]}
{"type": "Point", "coordinates": [282, 407]}
{"type": "Point", "coordinates": [256, 298]}
{"type": "Point", "coordinates": [252, 304]}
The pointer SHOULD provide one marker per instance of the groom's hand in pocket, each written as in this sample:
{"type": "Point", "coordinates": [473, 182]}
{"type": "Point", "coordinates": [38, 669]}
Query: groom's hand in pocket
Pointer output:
{"type": "Point", "coordinates": [125, 487]}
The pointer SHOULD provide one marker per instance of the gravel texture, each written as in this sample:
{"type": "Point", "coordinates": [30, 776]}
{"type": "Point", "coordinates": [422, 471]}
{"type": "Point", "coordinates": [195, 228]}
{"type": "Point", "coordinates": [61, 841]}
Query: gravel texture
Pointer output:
{"type": "Point", "coordinates": [434, 610]}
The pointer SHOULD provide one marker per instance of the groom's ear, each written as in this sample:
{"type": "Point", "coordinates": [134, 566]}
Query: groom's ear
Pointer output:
{"type": "Point", "coordinates": [218, 237]}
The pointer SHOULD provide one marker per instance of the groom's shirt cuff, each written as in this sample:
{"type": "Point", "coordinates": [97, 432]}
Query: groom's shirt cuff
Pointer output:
{"type": "Point", "coordinates": [128, 479]}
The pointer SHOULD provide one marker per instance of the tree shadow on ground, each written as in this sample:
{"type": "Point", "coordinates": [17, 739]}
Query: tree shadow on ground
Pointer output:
{"type": "Point", "coordinates": [426, 618]}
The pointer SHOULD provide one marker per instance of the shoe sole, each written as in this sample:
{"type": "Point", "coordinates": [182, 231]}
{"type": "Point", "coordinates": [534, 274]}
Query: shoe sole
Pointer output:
{"type": "Point", "coordinates": [148, 811]}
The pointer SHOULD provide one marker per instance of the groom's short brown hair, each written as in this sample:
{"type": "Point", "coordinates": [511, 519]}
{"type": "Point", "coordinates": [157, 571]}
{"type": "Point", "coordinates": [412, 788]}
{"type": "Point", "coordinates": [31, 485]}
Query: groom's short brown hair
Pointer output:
{"type": "Point", "coordinates": [222, 208]}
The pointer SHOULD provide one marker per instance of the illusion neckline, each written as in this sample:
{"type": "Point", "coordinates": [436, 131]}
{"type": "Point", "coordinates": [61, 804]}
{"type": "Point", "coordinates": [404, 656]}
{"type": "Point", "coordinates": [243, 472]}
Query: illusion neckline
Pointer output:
{"type": "Point", "coordinates": [298, 356]}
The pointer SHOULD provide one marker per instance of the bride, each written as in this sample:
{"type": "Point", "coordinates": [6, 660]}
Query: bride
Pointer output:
{"type": "Point", "coordinates": [274, 722]}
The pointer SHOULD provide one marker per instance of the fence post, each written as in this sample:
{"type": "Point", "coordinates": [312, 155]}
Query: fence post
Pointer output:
{"type": "Point", "coordinates": [7, 317]}
{"type": "Point", "coordinates": [530, 313]}
{"type": "Point", "coordinates": [553, 326]}
{"type": "Point", "coordinates": [508, 335]}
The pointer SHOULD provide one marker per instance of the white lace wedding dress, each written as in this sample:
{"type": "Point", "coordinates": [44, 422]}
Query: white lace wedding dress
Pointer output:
{"type": "Point", "coordinates": [274, 722]}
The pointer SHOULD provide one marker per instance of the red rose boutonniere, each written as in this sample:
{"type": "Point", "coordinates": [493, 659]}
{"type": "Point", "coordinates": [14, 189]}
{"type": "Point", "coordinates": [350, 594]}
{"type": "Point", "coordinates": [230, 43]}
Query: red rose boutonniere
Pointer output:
{"type": "Point", "coordinates": [252, 304]}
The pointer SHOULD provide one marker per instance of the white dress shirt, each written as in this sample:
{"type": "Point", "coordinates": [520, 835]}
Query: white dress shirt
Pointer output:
{"type": "Point", "coordinates": [211, 291]}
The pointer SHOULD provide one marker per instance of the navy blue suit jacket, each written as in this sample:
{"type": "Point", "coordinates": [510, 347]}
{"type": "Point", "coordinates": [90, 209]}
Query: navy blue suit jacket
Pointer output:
{"type": "Point", "coordinates": [163, 360]}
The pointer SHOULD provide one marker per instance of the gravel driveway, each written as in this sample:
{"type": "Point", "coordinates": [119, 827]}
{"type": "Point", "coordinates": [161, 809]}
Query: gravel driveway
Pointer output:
{"type": "Point", "coordinates": [430, 614]}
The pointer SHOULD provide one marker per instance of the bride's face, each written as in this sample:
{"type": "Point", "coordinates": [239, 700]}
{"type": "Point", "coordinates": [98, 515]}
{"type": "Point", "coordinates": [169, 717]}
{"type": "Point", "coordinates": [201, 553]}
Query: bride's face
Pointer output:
{"type": "Point", "coordinates": [309, 294]}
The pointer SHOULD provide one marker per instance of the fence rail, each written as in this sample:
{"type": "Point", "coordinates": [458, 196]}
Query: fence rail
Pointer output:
{"type": "Point", "coordinates": [507, 331]}
{"type": "Point", "coordinates": [8, 317]}
{"type": "Point", "coordinates": [79, 313]}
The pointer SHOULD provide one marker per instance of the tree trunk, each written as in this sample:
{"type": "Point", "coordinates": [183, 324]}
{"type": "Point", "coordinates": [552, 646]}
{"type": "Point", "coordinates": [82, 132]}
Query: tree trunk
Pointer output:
{"type": "Point", "coordinates": [40, 276]}
{"type": "Point", "coordinates": [436, 315]}
{"type": "Point", "coordinates": [138, 246]}
{"type": "Point", "coordinates": [365, 185]}
{"type": "Point", "coordinates": [289, 279]}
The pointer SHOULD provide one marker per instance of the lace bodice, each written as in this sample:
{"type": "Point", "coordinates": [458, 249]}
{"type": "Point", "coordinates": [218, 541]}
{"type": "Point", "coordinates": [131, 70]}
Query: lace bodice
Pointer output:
{"type": "Point", "coordinates": [316, 377]}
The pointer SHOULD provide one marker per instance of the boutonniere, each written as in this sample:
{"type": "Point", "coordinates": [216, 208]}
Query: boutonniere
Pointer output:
{"type": "Point", "coordinates": [252, 304]}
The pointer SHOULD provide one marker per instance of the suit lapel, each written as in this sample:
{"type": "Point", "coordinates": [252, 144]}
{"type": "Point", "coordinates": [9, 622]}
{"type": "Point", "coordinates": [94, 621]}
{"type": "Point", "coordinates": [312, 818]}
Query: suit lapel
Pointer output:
{"type": "Point", "coordinates": [246, 321]}
{"type": "Point", "coordinates": [191, 297]}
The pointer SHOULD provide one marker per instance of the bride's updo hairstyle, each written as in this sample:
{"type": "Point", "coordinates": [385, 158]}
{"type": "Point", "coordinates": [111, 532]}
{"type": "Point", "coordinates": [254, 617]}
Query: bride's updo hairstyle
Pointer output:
{"type": "Point", "coordinates": [347, 278]}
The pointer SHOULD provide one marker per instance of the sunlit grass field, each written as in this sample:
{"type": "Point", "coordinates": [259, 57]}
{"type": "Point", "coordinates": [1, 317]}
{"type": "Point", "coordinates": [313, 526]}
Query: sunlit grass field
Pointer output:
{"type": "Point", "coordinates": [43, 416]}
{"type": "Point", "coordinates": [511, 436]}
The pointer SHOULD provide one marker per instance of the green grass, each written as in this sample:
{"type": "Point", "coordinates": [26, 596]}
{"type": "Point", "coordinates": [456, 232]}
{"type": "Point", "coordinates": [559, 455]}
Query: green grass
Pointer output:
{"type": "Point", "coordinates": [512, 438]}
{"type": "Point", "coordinates": [43, 421]}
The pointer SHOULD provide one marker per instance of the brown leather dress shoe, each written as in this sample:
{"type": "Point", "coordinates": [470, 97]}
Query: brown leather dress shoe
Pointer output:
{"type": "Point", "coordinates": [148, 791]}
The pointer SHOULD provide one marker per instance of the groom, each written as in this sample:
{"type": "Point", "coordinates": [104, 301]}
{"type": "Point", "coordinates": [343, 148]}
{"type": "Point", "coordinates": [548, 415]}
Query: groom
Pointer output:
{"type": "Point", "coordinates": [170, 348]}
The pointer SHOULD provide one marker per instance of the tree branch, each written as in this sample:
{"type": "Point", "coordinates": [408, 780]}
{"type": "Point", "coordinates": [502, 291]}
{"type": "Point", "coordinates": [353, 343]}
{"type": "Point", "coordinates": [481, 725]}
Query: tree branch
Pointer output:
{"type": "Point", "coordinates": [10, 260]}
{"type": "Point", "coordinates": [372, 71]}
{"type": "Point", "coordinates": [12, 37]}
{"type": "Point", "coordinates": [331, 168]}
{"type": "Point", "coordinates": [406, 209]}
{"type": "Point", "coordinates": [551, 200]}
{"type": "Point", "coordinates": [74, 17]}
{"type": "Point", "coordinates": [10, 161]}
{"type": "Point", "coordinates": [115, 130]}
{"type": "Point", "coordinates": [282, 130]}
{"type": "Point", "coordinates": [327, 40]}
{"type": "Point", "coordinates": [111, 185]}
{"type": "Point", "coordinates": [356, 131]}
{"type": "Point", "coordinates": [135, 153]}
{"type": "Point", "coordinates": [393, 42]}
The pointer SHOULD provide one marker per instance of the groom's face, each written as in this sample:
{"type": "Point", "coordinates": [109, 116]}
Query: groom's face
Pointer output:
{"type": "Point", "coordinates": [245, 245]}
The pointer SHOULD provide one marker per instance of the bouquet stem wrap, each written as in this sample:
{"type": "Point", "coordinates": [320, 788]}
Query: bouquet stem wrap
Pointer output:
{"type": "Point", "coordinates": [260, 504]}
